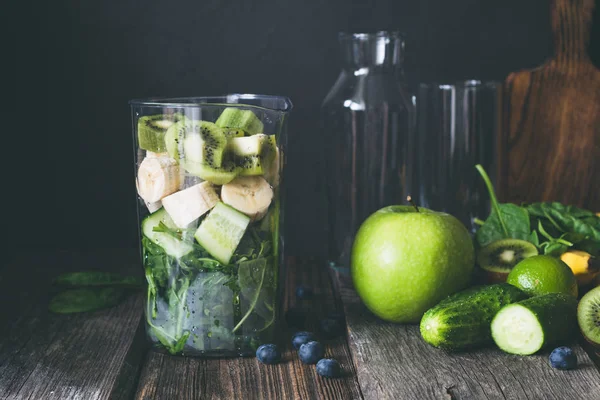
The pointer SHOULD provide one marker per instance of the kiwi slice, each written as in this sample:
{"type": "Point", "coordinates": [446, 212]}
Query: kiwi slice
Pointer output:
{"type": "Point", "coordinates": [152, 129]}
{"type": "Point", "coordinates": [253, 154]}
{"type": "Point", "coordinates": [588, 316]}
{"type": "Point", "coordinates": [231, 133]}
{"type": "Point", "coordinates": [215, 175]}
{"type": "Point", "coordinates": [236, 118]}
{"type": "Point", "coordinates": [499, 257]}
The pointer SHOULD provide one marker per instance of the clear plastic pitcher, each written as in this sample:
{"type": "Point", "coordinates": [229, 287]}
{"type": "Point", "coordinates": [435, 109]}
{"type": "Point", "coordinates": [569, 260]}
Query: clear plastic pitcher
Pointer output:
{"type": "Point", "coordinates": [209, 176]}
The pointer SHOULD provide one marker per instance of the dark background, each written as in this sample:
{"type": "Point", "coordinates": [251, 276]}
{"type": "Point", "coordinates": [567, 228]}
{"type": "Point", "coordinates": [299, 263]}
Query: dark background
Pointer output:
{"type": "Point", "coordinates": [68, 166]}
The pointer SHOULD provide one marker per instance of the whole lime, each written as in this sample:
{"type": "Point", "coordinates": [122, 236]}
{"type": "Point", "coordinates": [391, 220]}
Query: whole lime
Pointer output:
{"type": "Point", "coordinates": [405, 261]}
{"type": "Point", "coordinates": [543, 274]}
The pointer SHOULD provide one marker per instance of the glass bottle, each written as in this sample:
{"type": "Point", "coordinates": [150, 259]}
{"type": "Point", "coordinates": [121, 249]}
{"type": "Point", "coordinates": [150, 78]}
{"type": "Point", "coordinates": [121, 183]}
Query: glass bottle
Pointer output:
{"type": "Point", "coordinates": [367, 119]}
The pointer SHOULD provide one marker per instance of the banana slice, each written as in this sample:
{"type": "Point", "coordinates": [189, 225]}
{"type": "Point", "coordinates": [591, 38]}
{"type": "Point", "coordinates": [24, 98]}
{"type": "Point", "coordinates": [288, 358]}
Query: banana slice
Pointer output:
{"type": "Point", "coordinates": [157, 177]}
{"type": "Point", "coordinates": [152, 207]}
{"type": "Point", "coordinates": [251, 195]}
{"type": "Point", "coordinates": [151, 154]}
{"type": "Point", "coordinates": [190, 204]}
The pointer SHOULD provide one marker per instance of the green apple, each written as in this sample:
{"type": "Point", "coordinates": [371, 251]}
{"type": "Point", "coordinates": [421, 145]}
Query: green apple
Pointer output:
{"type": "Point", "coordinates": [405, 260]}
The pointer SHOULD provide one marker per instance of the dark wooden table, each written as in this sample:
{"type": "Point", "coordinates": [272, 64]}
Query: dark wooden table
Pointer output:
{"type": "Point", "coordinates": [104, 354]}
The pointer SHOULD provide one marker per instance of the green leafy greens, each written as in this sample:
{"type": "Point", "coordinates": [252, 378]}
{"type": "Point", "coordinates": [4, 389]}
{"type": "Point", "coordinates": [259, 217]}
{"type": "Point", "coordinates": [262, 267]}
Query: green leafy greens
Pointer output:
{"type": "Point", "coordinates": [553, 227]}
{"type": "Point", "coordinates": [197, 283]}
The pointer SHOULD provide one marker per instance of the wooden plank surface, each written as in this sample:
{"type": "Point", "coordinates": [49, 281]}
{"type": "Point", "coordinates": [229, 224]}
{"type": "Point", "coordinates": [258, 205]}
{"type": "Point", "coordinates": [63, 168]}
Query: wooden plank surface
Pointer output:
{"type": "Point", "coordinates": [48, 356]}
{"type": "Point", "coordinates": [393, 362]}
{"type": "Point", "coordinates": [168, 377]}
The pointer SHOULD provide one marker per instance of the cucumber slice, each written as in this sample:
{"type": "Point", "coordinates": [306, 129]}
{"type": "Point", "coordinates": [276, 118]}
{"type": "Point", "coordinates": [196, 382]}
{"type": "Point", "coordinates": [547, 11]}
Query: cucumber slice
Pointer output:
{"type": "Point", "coordinates": [463, 320]}
{"type": "Point", "coordinates": [221, 231]}
{"type": "Point", "coordinates": [171, 245]}
{"type": "Point", "coordinates": [526, 327]}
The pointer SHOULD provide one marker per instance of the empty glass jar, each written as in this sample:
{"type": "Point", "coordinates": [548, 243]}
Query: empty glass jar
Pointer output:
{"type": "Point", "coordinates": [367, 119]}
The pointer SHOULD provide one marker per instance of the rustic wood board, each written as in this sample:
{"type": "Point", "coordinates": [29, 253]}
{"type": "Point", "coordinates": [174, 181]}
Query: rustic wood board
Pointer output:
{"type": "Point", "coordinates": [393, 362]}
{"type": "Point", "coordinates": [49, 356]}
{"type": "Point", "coordinates": [550, 150]}
{"type": "Point", "coordinates": [168, 377]}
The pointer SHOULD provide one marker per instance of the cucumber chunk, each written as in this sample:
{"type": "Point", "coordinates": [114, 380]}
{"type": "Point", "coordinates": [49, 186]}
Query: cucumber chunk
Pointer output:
{"type": "Point", "coordinates": [221, 231]}
{"type": "Point", "coordinates": [170, 244]}
{"type": "Point", "coordinates": [526, 327]}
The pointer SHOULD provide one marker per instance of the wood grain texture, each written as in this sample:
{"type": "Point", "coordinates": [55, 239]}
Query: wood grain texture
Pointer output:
{"type": "Point", "coordinates": [81, 356]}
{"type": "Point", "coordinates": [550, 149]}
{"type": "Point", "coordinates": [393, 362]}
{"type": "Point", "coordinates": [168, 377]}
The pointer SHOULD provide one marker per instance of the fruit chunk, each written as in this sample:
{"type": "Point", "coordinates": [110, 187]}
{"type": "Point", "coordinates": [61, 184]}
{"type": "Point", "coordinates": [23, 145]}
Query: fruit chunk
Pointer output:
{"type": "Point", "coordinates": [463, 320]}
{"type": "Point", "coordinates": [152, 130]}
{"type": "Point", "coordinates": [204, 143]}
{"type": "Point", "coordinates": [588, 316]}
{"type": "Point", "coordinates": [157, 177]}
{"type": "Point", "coordinates": [233, 133]}
{"type": "Point", "coordinates": [499, 258]}
{"type": "Point", "coordinates": [217, 175]}
{"type": "Point", "coordinates": [190, 204]}
{"type": "Point", "coordinates": [273, 170]}
{"type": "Point", "coordinates": [236, 118]}
{"type": "Point", "coordinates": [251, 195]}
{"type": "Point", "coordinates": [543, 274]}
{"type": "Point", "coordinates": [253, 154]}
{"type": "Point", "coordinates": [221, 232]}
{"type": "Point", "coordinates": [172, 246]}
{"type": "Point", "coordinates": [529, 325]}
{"type": "Point", "coordinates": [584, 266]}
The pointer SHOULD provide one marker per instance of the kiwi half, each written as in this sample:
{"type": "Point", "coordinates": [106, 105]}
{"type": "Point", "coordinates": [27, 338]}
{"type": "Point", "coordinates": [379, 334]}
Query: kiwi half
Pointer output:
{"type": "Point", "coordinates": [498, 258]}
{"type": "Point", "coordinates": [588, 316]}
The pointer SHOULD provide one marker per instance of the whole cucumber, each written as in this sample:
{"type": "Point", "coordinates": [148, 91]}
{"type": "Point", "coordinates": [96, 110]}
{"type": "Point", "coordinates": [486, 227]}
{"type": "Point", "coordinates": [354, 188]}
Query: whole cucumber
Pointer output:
{"type": "Point", "coordinates": [463, 319]}
{"type": "Point", "coordinates": [527, 326]}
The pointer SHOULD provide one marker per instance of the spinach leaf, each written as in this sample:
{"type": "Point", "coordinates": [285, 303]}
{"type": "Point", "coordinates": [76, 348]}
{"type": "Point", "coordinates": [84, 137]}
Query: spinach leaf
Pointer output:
{"type": "Point", "coordinates": [257, 289]}
{"type": "Point", "coordinates": [516, 221]}
{"type": "Point", "coordinates": [97, 278]}
{"type": "Point", "coordinates": [87, 299]}
{"type": "Point", "coordinates": [505, 221]}
{"type": "Point", "coordinates": [579, 227]}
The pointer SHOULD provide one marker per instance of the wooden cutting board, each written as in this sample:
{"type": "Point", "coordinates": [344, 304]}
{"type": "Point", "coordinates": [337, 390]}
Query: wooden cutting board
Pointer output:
{"type": "Point", "coordinates": [550, 147]}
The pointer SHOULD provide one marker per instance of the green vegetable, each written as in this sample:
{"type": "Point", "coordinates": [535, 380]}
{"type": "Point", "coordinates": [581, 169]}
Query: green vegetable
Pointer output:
{"type": "Point", "coordinates": [505, 221]}
{"type": "Point", "coordinates": [551, 226]}
{"type": "Point", "coordinates": [463, 320]}
{"type": "Point", "coordinates": [233, 295]}
{"type": "Point", "coordinates": [97, 278]}
{"type": "Point", "coordinates": [529, 325]}
{"type": "Point", "coordinates": [91, 290]}
{"type": "Point", "coordinates": [87, 299]}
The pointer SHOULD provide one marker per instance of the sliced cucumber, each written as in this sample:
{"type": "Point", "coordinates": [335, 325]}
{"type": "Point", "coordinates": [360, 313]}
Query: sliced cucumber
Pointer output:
{"type": "Point", "coordinates": [221, 231]}
{"type": "Point", "coordinates": [170, 244]}
{"type": "Point", "coordinates": [463, 320]}
{"type": "Point", "coordinates": [527, 326]}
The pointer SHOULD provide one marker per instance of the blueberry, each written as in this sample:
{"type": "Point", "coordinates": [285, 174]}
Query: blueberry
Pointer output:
{"type": "Point", "coordinates": [304, 292]}
{"type": "Point", "coordinates": [311, 352]}
{"type": "Point", "coordinates": [563, 358]}
{"type": "Point", "coordinates": [268, 354]}
{"type": "Point", "coordinates": [328, 367]}
{"type": "Point", "coordinates": [295, 317]}
{"type": "Point", "coordinates": [300, 338]}
{"type": "Point", "coordinates": [331, 327]}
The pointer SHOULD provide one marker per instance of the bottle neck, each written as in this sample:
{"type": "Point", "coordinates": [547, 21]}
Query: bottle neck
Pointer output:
{"type": "Point", "coordinates": [381, 50]}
